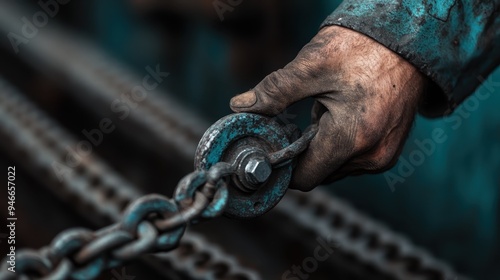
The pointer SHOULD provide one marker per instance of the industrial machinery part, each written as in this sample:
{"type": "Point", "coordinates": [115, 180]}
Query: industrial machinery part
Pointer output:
{"type": "Point", "coordinates": [37, 142]}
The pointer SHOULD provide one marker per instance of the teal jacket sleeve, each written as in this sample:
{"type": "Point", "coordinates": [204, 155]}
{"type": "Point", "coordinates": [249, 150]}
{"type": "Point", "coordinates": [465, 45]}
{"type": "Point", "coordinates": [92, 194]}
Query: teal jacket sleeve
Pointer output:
{"type": "Point", "coordinates": [456, 43]}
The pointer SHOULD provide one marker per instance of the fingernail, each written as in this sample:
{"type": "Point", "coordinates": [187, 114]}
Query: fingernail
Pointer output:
{"type": "Point", "coordinates": [245, 100]}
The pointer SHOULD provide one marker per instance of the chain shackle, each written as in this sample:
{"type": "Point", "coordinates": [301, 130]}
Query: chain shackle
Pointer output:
{"type": "Point", "coordinates": [262, 152]}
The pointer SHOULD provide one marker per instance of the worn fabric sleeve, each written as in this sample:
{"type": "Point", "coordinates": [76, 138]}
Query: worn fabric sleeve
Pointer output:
{"type": "Point", "coordinates": [456, 43]}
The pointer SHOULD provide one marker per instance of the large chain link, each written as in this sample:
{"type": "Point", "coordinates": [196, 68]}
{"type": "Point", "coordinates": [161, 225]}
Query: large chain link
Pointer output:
{"type": "Point", "coordinates": [152, 223]}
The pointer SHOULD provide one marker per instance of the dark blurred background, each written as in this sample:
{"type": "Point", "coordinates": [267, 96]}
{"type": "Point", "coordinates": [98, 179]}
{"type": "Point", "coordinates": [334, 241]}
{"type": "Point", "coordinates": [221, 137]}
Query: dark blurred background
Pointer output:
{"type": "Point", "coordinates": [445, 199]}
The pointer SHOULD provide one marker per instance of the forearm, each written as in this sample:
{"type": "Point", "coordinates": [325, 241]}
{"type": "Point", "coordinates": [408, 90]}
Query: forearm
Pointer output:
{"type": "Point", "coordinates": [454, 43]}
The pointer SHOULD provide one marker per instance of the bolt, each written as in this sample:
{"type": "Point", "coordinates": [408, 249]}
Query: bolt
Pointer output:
{"type": "Point", "coordinates": [258, 170]}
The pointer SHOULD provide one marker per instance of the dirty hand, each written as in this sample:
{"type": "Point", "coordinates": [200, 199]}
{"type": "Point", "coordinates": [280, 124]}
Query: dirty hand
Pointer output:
{"type": "Point", "coordinates": [366, 100]}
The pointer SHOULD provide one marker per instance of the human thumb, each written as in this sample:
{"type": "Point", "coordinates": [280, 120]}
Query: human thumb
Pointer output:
{"type": "Point", "coordinates": [274, 94]}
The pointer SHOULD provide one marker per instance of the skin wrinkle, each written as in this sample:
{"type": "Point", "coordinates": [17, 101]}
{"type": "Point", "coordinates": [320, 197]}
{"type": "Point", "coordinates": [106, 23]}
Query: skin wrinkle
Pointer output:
{"type": "Point", "coordinates": [277, 82]}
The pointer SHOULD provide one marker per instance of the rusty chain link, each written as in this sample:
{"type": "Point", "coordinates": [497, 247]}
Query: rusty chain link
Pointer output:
{"type": "Point", "coordinates": [152, 223]}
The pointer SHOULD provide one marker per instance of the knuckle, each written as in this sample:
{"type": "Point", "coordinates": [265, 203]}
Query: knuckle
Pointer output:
{"type": "Point", "coordinates": [384, 159]}
{"type": "Point", "coordinates": [312, 66]}
{"type": "Point", "coordinates": [368, 136]}
{"type": "Point", "coordinates": [276, 83]}
{"type": "Point", "coordinates": [302, 184]}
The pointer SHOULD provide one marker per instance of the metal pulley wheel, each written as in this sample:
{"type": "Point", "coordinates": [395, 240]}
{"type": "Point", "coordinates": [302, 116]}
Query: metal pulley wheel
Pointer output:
{"type": "Point", "coordinates": [261, 151]}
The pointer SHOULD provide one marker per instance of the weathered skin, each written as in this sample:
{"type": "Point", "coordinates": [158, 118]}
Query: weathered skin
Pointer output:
{"type": "Point", "coordinates": [367, 99]}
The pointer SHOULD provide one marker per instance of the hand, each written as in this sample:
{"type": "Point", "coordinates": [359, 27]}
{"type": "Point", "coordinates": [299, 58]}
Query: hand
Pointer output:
{"type": "Point", "coordinates": [366, 100]}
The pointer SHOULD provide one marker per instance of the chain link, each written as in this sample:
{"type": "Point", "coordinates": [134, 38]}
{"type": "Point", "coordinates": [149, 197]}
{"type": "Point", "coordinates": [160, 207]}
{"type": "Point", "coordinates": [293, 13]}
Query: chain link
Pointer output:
{"type": "Point", "coordinates": [152, 223]}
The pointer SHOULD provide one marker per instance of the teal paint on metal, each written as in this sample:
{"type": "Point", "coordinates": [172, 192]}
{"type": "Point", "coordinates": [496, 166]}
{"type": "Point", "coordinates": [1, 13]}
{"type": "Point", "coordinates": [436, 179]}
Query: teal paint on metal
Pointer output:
{"type": "Point", "coordinates": [228, 131]}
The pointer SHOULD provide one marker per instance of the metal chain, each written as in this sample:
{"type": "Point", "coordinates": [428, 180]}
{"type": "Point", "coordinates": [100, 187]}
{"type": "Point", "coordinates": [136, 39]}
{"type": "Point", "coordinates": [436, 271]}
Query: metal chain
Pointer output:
{"type": "Point", "coordinates": [31, 137]}
{"type": "Point", "coordinates": [322, 224]}
{"type": "Point", "coordinates": [152, 223]}
{"type": "Point", "coordinates": [326, 215]}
